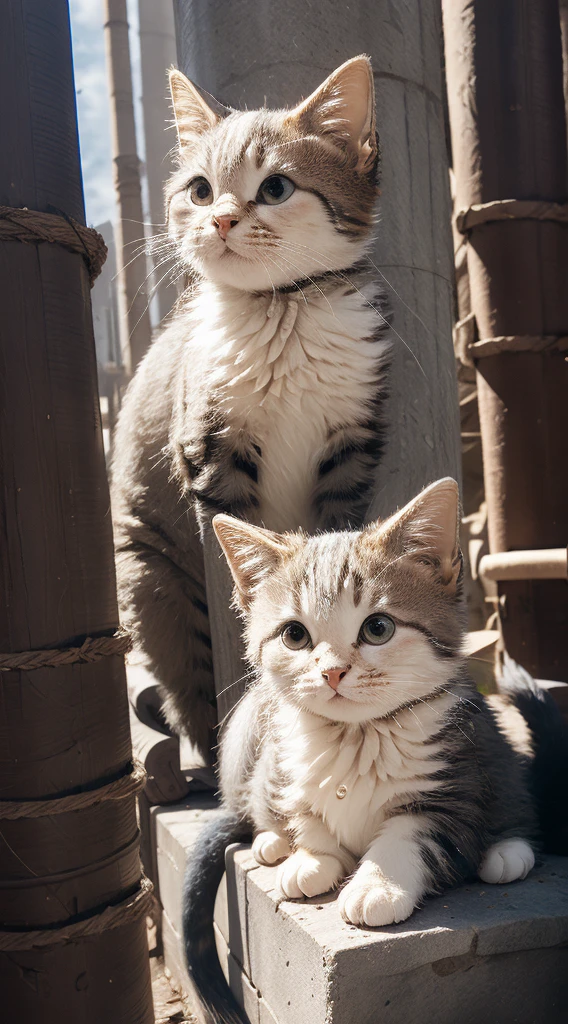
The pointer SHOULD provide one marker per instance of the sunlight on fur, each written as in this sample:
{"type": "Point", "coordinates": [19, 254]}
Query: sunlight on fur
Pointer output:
{"type": "Point", "coordinates": [363, 738]}
{"type": "Point", "coordinates": [325, 147]}
{"type": "Point", "coordinates": [264, 394]}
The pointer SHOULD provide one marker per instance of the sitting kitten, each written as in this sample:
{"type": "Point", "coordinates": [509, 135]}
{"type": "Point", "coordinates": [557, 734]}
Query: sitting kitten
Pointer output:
{"type": "Point", "coordinates": [363, 752]}
{"type": "Point", "coordinates": [263, 396]}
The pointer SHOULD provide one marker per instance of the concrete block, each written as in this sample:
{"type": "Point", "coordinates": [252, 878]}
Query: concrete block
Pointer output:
{"type": "Point", "coordinates": [177, 828]}
{"type": "Point", "coordinates": [159, 753]}
{"type": "Point", "coordinates": [222, 910]}
{"type": "Point", "coordinates": [174, 958]}
{"type": "Point", "coordinates": [512, 988]}
{"type": "Point", "coordinates": [231, 911]}
{"type": "Point", "coordinates": [245, 993]}
{"type": "Point", "coordinates": [148, 849]}
{"type": "Point", "coordinates": [459, 958]}
{"type": "Point", "coordinates": [265, 1014]}
{"type": "Point", "coordinates": [478, 955]}
{"type": "Point", "coordinates": [287, 966]}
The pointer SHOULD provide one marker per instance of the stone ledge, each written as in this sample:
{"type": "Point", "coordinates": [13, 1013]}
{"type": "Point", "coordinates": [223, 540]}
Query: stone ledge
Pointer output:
{"type": "Point", "coordinates": [478, 955]}
{"type": "Point", "coordinates": [245, 993]}
{"type": "Point", "coordinates": [490, 918]}
{"type": "Point", "coordinates": [174, 829]}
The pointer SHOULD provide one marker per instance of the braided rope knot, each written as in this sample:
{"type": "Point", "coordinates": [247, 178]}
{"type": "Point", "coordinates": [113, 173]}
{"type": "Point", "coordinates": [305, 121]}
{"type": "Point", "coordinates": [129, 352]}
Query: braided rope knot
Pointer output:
{"type": "Point", "coordinates": [32, 226]}
{"type": "Point", "coordinates": [133, 907]}
{"type": "Point", "coordinates": [118, 789]}
{"type": "Point", "coordinates": [90, 650]}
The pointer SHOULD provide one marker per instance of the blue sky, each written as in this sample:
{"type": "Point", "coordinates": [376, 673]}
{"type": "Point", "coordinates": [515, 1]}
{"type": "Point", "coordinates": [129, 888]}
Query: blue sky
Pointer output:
{"type": "Point", "coordinates": [93, 104]}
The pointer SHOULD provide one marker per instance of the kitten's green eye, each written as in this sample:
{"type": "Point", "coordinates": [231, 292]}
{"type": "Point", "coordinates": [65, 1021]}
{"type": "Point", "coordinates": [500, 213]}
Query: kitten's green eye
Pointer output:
{"type": "Point", "coordinates": [201, 192]}
{"type": "Point", "coordinates": [377, 629]}
{"type": "Point", "coordinates": [295, 636]}
{"type": "Point", "coordinates": [275, 189]}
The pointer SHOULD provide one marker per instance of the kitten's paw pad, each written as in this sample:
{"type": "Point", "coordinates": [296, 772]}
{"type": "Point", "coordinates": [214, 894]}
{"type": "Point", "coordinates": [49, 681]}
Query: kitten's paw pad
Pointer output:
{"type": "Point", "coordinates": [309, 874]}
{"type": "Point", "coordinates": [269, 848]}
{"type": "Point", "coordinates": [506, 861]}
{"type": "Point", "coordinates": [374, 902]}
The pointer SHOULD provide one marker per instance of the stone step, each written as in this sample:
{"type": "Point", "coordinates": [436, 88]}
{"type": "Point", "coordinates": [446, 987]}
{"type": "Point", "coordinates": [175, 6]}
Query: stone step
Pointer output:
{"type": "Point", "coordinates": [478, 955]}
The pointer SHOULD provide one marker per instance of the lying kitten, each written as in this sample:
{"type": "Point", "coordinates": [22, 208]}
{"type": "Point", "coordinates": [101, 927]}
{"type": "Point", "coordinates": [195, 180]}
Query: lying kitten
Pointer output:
{"type": "Point", "coordinates": [263, 396]}
{"type": "Point", "coordinates": [364, 751]}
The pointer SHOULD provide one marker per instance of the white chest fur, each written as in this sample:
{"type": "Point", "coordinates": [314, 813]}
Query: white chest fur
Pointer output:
{"type": "Point", "coordinates": [351, 776]}
{"type": "Point", "coordinates": [288, 369]}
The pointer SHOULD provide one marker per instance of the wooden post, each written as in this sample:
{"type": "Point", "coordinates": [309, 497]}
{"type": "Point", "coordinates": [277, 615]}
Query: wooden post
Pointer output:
{"type": "Point", "coordinates": [563, 10]}
{"type": "Point", "coordinates": [63, 730]}
{"type": "Point", "coordinates": [219, 49]}
{"type": "Point", "coordinates": [134, 315]}
{"type": "Point", "coordinates": [508, 126]}
{"type": "Point", "coordinates": [157, 54]}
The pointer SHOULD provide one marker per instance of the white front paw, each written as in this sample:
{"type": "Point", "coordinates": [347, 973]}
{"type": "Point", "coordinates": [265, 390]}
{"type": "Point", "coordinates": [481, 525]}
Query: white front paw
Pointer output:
{"type": "Point", "coordinates": [506, 861]}
{"type": "Point", "coordinates": [309, 874]}
{"type": "Point", "coordinates": [268, 848]}
{"type": "Point", "coordinates": [370, 899]}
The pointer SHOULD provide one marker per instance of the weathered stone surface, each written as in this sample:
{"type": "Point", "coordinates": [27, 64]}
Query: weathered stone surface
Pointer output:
{"type": "Point", "coordinates": [495, 919]}
{"type": "Point", "coordinates": [512, 988]}
{"type": "Point", "coordinates": [237, 918]}
{"type": "Point", "coordinates": [479, 955]}
{"type": "Point", "coordinates": [286, 965]}
{"type": "Point", "coordinates": [266, 1015]}
{"type": "Point", "coordinates": [459, 958]}
{"type": "Point", "coordinates": [245, 993]}
{"type": "Point", "coordinates": [173, 956]}
{"type": "Point", "coordinates": [177, 828]}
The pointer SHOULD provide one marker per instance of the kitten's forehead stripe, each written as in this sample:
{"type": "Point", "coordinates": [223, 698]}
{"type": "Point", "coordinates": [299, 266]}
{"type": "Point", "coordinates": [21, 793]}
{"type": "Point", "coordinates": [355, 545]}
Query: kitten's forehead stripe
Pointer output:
{"type": "Point", "coordinates": [314, 164]}
{"type": "Point", "coordinates": [357, 586]}
{"type": "Point", "coordinates": [325, 567]}
{"type": "Point", "coordinates": [330, 568]}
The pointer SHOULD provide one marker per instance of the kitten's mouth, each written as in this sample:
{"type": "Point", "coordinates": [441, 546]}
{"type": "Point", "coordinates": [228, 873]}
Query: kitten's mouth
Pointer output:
{"type": "Point", "coordinates": [227, 251]}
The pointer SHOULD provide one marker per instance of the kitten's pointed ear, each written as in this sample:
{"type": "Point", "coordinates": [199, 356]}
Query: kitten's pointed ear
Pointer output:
{"type": "Point", "coordinates": [344, 109]}
{"type": "Point", "coordinates": [195, 111]}
{"type": "Point", "coordinates": [427, 529]}
{"type": "Point", "coordinates": [252, 554]}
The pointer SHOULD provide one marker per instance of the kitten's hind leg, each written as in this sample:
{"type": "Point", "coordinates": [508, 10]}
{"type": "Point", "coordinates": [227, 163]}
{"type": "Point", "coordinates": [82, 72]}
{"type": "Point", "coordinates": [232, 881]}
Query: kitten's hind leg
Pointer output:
{"type": "Point", "coordinates": [270, 848]}
{"type": "Point", "coordinates": [165, 606]}
{"type": "Point", "coordinates": [506, 861]}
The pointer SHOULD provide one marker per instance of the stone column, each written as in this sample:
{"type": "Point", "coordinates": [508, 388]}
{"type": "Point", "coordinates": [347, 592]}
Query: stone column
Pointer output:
{"type": "Point", "coordinates": [255, 52]}
{"type": "Point", "coordinates": [135, 331]}
{"type": "Point", "coordinates": [252, 52]}
{"type": "Point", "coordinates": [157, 54]}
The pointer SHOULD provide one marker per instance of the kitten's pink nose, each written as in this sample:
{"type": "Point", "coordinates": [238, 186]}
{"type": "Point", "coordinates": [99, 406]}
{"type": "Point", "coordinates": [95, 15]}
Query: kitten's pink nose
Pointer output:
{"type": "Point", "coordinates": [333, 676]}
{"type": "Point", "coordinates": [224, 225]}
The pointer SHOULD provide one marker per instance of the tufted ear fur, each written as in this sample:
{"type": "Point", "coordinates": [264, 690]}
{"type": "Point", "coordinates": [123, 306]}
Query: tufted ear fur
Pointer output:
{"type": "Point", "coordinates": [252, 553]}
{"type": "Point", "coordinates": [427, 529]}
{"type": "Point", "coordinates": [343, 108]}
{"type": "Point", "coordinates": [195, 111]}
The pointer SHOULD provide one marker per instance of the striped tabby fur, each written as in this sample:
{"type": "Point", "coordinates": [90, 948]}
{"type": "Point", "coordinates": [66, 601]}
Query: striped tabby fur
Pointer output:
{"type": "Point", "coordinates": [263, 396]}
{"type": "Point", "coordinates": [363, 759]}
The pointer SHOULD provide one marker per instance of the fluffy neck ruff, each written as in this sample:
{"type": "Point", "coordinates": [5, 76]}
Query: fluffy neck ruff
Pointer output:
{"type": "Point", "coordinates": [289, 369]}
{"type": "Point", "coordinates": [354, 776]}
